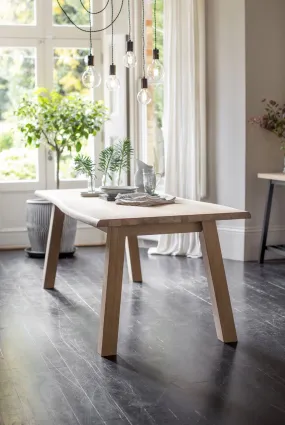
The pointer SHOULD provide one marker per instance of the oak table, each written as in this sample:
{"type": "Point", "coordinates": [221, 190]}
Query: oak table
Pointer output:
{"type": "Point", "coordinates": [125, 223]}
{"type": "Point", "coordinates": [274, 179]}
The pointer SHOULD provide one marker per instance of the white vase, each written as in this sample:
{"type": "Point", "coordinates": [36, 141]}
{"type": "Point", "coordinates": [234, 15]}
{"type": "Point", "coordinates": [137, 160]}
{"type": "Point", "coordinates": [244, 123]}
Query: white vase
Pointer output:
{"type": "Point", "coordinates": [91, 184]}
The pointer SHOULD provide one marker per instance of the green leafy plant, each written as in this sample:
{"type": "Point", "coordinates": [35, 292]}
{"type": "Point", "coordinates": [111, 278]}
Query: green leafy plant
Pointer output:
{"type": "Point", "coordinates": [62, 123]}
{"type": "Point", "coordinates": [122, 158]}
{"type": "Point", "coordinates": [107, 163]}
{"type": "Point", "coordinates": [115, 159]}
{"type": "Point", "coordinates": [84, 165]}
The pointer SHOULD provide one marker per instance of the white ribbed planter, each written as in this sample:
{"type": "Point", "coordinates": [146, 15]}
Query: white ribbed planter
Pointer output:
{"type": "Point", "coordinates": [38, 213]}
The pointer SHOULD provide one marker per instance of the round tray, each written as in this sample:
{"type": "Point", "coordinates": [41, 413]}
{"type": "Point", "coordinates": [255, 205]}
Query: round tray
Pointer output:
{"type": "Point", "coordinates": [33, 254]}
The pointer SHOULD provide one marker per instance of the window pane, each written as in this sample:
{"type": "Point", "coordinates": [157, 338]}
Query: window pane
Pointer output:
{"type": "Point", "coordinates": [155, 142]}
{"type": "Point", "coordinates": [17, 12]}
{"type": "Point", "coordinates": [74, 9]}
{"type": "Point", "coordinates": [17, 77]}
{"type": "Point", "coordinates": [69, 65]}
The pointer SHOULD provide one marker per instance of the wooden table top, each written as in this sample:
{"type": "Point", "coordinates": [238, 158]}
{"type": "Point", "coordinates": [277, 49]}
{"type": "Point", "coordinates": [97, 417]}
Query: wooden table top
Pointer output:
{"type": "Point", "coordinates": [100, 213]}
{"type": "Point", "coordinates": [272, 176]}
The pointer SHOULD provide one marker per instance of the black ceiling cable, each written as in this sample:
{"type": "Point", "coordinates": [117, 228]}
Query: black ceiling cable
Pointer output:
{"type": "Point", "coordinates": [94, 13]}
{"type": "Point", "coordinates": [85, 30]}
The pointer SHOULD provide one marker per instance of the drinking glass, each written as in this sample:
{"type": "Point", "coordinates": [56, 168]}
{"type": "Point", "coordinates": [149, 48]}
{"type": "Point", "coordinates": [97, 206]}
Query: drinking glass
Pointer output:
{"type": "Point", "coordinates": [150, 181]}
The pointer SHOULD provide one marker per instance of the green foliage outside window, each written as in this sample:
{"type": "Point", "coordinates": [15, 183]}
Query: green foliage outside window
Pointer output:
{"type": "Point", "coordinates": [74, 10]}
{"type": "Point", "coordinates": [17, 77]}
{"type": "Point", "coordinates": [17, 12]}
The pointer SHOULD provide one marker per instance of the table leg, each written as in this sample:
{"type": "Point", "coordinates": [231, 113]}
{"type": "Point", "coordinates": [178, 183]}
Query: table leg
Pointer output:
{"type": "Point", "coordinates": [266, 222]}
{"type": "Point", "coordinates": [133, 259]}
{"type": "Point", "coordinates": [53, 247]}
{"type": "Point", "coordinates": [111, 294]}
{"type": "Point", "coordinates": [221, 303]}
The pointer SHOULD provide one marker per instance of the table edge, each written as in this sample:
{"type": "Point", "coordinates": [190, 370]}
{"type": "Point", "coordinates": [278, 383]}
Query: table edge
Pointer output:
{"type": "Point", "coordinates": [182, 219]}
{"type": "Point", "coordinates": [270, 176]}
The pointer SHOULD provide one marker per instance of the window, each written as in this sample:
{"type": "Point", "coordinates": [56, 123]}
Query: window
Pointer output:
{"type": "Point", "coordinates": [17, 12]}
{"type": "Point", "coordinates": [75, 12]}
{"type": "Point", "coordinates": [154, 142]}
{"type": "Point", "coordinates": [39, 47]}
{"type": "Point", "coordinates": [17, 77]}
{"type": "Point", "coordinates": [69, 64]}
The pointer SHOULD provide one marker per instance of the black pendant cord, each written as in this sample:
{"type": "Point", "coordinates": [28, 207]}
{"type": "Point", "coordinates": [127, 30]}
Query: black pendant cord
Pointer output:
{"type": "Point", "coordinates": [90, 28]}
{"type": "Point", "coordinates": [130, 23]}
{"type": "Point", "coordinates": [112, 41]}
{"type": "Point", "coordinates": [84, 30]}
{"type": "Point", "coordinates": [93, 13]}
{"type": "Point", "coordinates": [143, 37]}
{"type": "Point", "coordinates": [155, 25]}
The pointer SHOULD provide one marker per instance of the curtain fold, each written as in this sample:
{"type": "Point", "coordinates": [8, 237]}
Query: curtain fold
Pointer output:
{"type": "Point", "coordinates": [184, 122]}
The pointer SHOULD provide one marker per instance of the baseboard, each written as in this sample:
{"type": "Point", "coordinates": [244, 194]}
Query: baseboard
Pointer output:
{"type": "Point", "coordinates": [276, 236]}
{"type": "Point", "coordinates": [152, 238]}
{"type": "Point", "coordinates": [17, 238]}
{"type": "Point", "coordinates": [236, 243]}
{"type": "Point", "coordinates": [243, 244]}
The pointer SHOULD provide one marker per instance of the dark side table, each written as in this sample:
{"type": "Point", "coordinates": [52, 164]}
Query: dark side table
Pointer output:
{"type": "Point", "coordinates": [273, 179]}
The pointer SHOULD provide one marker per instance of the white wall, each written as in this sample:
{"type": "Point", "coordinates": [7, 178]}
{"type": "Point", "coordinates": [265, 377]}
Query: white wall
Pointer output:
{"type": "Point", "coordinates": [121, 24]}
{"type": "Point", "coordinates": [226, 114]}
{"type": "Point", "coordinates": [265, 78]}
{"type": "Point", "coordinates": [246, 62]}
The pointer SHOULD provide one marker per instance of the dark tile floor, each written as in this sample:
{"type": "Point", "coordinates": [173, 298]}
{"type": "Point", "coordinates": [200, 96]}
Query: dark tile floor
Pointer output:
{"type": "Point", "coordinates": [170, 368]}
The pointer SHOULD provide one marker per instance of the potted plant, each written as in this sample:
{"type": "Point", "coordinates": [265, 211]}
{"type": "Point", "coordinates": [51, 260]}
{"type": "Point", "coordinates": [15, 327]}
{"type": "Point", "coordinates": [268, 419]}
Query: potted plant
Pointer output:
{"type": "Point", "coordinates": [61, 123]}
{"type": "Point", "coordinates": [273, 120]}
{"type": "Point", "coordinates": [113, 162]}
{"type": "Point", "coordinates": [85, 166]}
{"type": "Point", "coordinates": [115, 159]}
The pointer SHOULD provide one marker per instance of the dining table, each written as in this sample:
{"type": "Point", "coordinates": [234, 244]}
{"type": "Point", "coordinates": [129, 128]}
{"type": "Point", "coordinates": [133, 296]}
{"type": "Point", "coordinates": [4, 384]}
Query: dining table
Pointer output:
{"type": "Point", "coordinates": [122, 225]}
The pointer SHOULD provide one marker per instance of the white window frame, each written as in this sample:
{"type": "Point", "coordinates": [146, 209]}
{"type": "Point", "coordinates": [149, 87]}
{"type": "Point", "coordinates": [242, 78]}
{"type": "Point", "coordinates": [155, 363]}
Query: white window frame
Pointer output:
{"type": "Point", "coordinates": [45, 36]}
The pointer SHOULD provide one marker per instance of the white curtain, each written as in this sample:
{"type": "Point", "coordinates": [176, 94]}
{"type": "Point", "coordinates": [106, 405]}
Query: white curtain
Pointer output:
{"type": "Point", "coordinates": [185, 113]}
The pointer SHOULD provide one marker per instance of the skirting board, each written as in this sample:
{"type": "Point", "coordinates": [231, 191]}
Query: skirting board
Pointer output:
{"type": "Point", "coordinates": [236, 243]}
{"type": "Point", "coordinates": [243, 244]}
{"type": "Point", "coordinates": [18, 237]}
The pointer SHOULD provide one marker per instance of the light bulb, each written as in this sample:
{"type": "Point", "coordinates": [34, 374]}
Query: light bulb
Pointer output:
{"type": "Point", "coordinates": [144, 95]}
{"type": "Point", "coordinates": [112, 82]}
{"type": "Point", "coordinates": [91, 77]}
{"type": "Point", "coordinates": [155, 70]}
{"type": "Point", "coordinates": [130, 59]}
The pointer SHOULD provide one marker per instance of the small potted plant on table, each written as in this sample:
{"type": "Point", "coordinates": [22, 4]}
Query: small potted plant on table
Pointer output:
{"type": "Point", "coordinates": [61, 123]}
{"type": "Point", "coordinates": [114, 164]}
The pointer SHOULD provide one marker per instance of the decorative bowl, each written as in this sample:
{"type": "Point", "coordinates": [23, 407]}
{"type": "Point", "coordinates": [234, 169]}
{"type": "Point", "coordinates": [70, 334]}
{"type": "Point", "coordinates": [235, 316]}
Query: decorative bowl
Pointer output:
{"type": "Point", "coordinates": [115, 190]}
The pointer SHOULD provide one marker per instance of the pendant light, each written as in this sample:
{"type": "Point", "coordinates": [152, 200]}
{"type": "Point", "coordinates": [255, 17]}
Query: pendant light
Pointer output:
{"type": "Point", "coordinates": [155, 70]}
{"type": "Point", "coordinates": [112, 82]}
{"type": "Point", "coordinates": [143, 96]}
{"type": "Point", "coordinates": [130, 59]}
{"type": "Point", "coordinates": [91, 77]}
